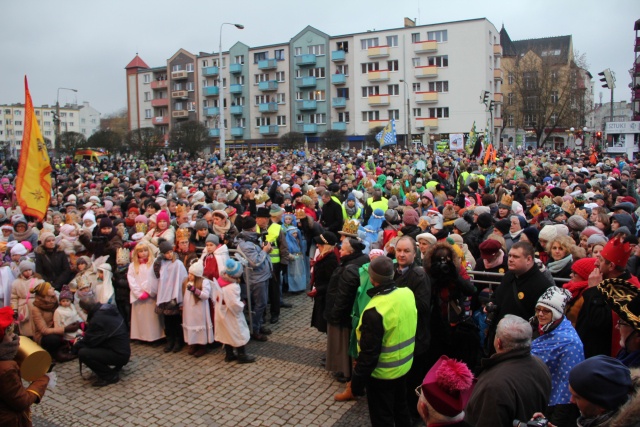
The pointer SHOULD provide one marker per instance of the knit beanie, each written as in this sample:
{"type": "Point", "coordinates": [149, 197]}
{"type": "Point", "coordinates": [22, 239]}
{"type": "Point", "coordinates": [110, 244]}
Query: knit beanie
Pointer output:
{"type": "Point", "coordinates": [373, 253]}
{"type": "Point", "coordinates": [462, 225]}
{"type": "Point", "coordinates": [602, 380]}
{"type": "Point", "coordinates": [213, 239]}
{"type": "Point", "coordinates": [391, 216]}
{"type": "Point", "coordinates": [19, 249]}
{"type": "Point", "coordinates": [165, 247]}
{"type": "Point", "coordinates": [162, 216]}
{"type": "Point", "coordinates": [26, 265]}
{"type": "Point", "coordinates": [381, 269]}
{"type": "Point", "coordinates": [485, 220]}
{"type": "Point", "coordinates": [555, 299]}
{"type": "Point", "coordinates": [479, 210]}
{"type": "Point", "coordinates": [42, 289]}
{"type": "Point", "coordinates": [44, 235]}
{"type": "Point", "coordinates": [410, 217]}
{"type": "Point", "coordinates": [89, 215]}
{"type": "Point", "coordinates": [448, 386]}
{"type": "Point", "coordinates": [248, 223]}
{"type": "Point", "coordinates": [6, 320]}
{"type": "Point", "coordinates": [393, 202]}
{"type": "Point", "coordinates": [142, 218]}
{"type": "Point", "coordinates": [503, 226]}
{"type": "Point", "coordinates": [106, 222]}
{"type": "Point", "coordinates": [561, 229]}
{"type": "Point", "coordinates": [197, 269]}
{"type": "Point", "coordinates": [532, 234]}
{"type": "Point", "coordinates": [201, 224]}
{"type": "Point", "coordinates": [597, 239]}
{"type": "Point", "coordinates": [583, 267]}
{"type": "Point", "coordinates": [547, 233]}
{"type": "Point", "coordinates": [577, 223]}
{"type": "Point", "coordinates": [233, 268]}
{"type": "Point", "coordinates": [591, 230]}
{"type": "Point", "coordinates": [66, 294]}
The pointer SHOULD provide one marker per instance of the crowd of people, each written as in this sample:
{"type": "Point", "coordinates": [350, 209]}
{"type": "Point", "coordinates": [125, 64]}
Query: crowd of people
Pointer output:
{"type": "Point", "coordinates": [451, 292]}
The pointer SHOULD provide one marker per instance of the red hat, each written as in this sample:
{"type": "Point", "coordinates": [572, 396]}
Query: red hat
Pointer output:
{"type": "Point", "coordinates": [616, 252]}
{"type": "Point", "coordinates": [448, 386]}
{"type": "Point", "coordinates": [6, 320]}
{"type": "Point", "coordinates": [490, 248]}
{"type": "Point", "coordinates": [583, 267]}
{"type": "Point", "coordinates": [629, 199]}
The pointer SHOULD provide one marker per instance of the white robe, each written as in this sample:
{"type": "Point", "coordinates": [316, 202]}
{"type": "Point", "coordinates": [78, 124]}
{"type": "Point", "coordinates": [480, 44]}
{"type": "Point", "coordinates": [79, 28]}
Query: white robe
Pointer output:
{"type": "Point", "coordinates": [231, 326]}
{"type": "Point", "coordinates": [65, 316]}
{"type": "Point", "coordinates": [146, 325]}
{"type": "Point", "coordinates": [196, 317]}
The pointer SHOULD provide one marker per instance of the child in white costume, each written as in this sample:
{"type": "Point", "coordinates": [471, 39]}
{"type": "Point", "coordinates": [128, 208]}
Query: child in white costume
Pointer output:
{"type": "Point", "coordinates": [196, 314]}
{"type": "Point", "coordinates": [66, 315]}
{"type": "Point", "coordinates": [230, 325]}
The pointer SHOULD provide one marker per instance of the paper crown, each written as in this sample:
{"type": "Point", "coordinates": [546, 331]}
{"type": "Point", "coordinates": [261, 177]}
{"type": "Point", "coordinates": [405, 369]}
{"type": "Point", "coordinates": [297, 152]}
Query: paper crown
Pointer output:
{"type": "Point", "coordinates": [583, 213]}
{"type": "Point", "coordinates": [261, 198]}
{"type": "Point", "coordinates": [413, 197]}
{"type": "Point", "coordinates": [546, 201]}
{"type": "Point", "coordinates": [122, 256]}
{"type": "Point", "coordinates": [71, 218]}
{"type": "Point", "coordinates": [617, 252]}
{"type": "Point", "coordinates": [300, 214]}
{"type": "Point", "coordinates": [182, 234]}
{"type": "Point", "coordinates": [350, 228]}
{"type": "Point", "coordinates": [568, 207]}
{"type": "Point", "coordinates": [311, 192]}
{"type": "Point", "coordinates": [141, 227]}
{"type": "Point", "coordinates": [506, 200]}
{"type": "Point", "coordinates": [181, 210]}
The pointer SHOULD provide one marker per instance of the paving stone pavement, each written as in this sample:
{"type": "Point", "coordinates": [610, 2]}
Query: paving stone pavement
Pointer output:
{"type": "Point", "coordinates": [286, 386]}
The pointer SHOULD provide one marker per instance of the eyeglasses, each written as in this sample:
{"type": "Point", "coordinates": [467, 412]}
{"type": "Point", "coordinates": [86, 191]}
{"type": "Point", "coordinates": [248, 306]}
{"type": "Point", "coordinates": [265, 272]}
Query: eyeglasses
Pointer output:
{"type": "Point", "coordinates": [542, 310]}
{"type": "Point", "coordinates": [418, 390]}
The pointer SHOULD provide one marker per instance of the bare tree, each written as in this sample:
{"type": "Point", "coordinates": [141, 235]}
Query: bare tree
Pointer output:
{"type": "Point", "coordinates": [292, 141]}
{"type": "Point", "coordinates": [107, 139]}
{"type": "Point", "coordinates": [191, 137]}
{"type": "Point", "coordinates": [71, 141]}
{"type": "Point", "coordinates": [145, 141]}
{"type": "Point", "coordinates": [333, 139]}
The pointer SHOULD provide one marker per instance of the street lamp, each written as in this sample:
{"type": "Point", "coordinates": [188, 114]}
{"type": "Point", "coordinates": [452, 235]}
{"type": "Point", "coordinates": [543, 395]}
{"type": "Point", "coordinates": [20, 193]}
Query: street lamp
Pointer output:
{"type": "Point", "coordinates": [57, 117]}
{"type": "Point", "coordinates": [406, 95]}
{"type": "Point", "coordinates": [220, 85]}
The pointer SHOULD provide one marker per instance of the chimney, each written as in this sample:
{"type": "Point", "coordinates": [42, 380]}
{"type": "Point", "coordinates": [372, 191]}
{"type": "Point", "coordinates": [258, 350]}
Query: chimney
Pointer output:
{"type": "Point", "coordinates": [408, 22]}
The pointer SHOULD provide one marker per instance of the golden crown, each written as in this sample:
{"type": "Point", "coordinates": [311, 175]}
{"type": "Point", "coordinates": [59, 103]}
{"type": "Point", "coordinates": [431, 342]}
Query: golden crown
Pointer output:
{"type": "Point", "coordinates": [351, 227]}
{"type": "Point", "coordinates": [181, 210]}
{"type": "Point", "coordinates": [568, 207]}
{"type": "Point", "coordinates": [506, 200]}
{"type": "Point", "coordinates": [546, 201]}
{"type": "Point", "coordinates": [582, 213]}
{"type": "Point", "coordinates": [122, 256]}
{"type": "Point", "coordinates": [141, 227]}
{"type": "Point", "coordinates": [182, 234]}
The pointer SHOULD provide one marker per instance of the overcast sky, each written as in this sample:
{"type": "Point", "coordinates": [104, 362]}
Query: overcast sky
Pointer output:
{"type": "Point", "coordinates": [85, 45]}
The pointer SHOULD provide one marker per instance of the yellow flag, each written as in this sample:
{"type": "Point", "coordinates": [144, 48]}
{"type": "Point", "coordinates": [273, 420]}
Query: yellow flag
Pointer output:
{"type": "Point", "coordinates": [33, 184]}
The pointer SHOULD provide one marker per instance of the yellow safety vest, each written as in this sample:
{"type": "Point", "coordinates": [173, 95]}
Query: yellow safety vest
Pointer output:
{"type": "Point", "coordinates": [273, 232]}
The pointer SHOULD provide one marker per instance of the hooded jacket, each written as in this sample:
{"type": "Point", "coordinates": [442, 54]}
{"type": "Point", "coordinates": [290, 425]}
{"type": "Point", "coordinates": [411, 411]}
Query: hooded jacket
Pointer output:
{"type": "Point", "coordinates": [106, 329]}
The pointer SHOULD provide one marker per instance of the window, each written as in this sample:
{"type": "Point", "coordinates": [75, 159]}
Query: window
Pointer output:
{"type": "Point", "coordinates": [510, 120]}
{"type": "Point", "coordinates": [147, 114]}
{"type": "Point", "coordinates": [259, 56]}
{"type": "Point", "coordinates": [417, 112]}
{"type": "Point", "coordinates": [263, 121]}
{"type": "Point", "coordinates": [369, 66]}
{"type": "Point", "coordinates": [18, 113]}
{"type": "Point", "coordinates": [280, 76]}
{"type": "Point", "coordinates": [47, 123]}
{"type": "Point", "coordinates": [63, 114]}
{"type": "Point", "coordinates": [367, 43]}
{"type": "Point", "coordinates": [261, 77]}
{"type": "Point", "coordinates": [239, 101]}
{"type": "Point", "coordinates": [343, 117]}
{"type": "Point", "coordinates": [370, 116]}
{"type": "Point", "coordinates": [280, 98]}
{"type": "Point", "coordinates": [205, 63]}
{"type": "Point", "coordinates": [18, 122]}
{"type": "Point", "coordinates": [237, 80]}
{"type": "Point", "coordinates": [439, 36]}
{"type": "Point", "coordinates": [440, 112]}
{"type": "Point", "coordinates": [262, 99]}
{"type": "Point", "coordinates": [439, 61]}
{"type": "Point", "coordinates": [530, 79]}
{"type": "Point", "coordinates": [342, 69]}
{"type": "Point", "coordinates": [299, 118]}
{"type": "Point", "coordinates": [70, 123]}
{"type": "Point", "coordinates": [317, 72]}
{"type": "Point", "coordinates": [18, 133]}
{"type": "Point", "coordinates": [191, 106]}
{"type": "Point", "coordinates": [344, 46]}
{"type": "Point", "coordinates": [297, 51]}
{"type": "Point", "coordinates": [241, 122]}
{"type": "Point", "coordinates": [552, 52]}
{"type": "Point", "coordinates": [281, 120]}
{"type": "Point", "coordinates": [529, 120]}
{"type": "Point", "coordinates": [205, 103]}
{"type": "Point", "coordinates": [178, 106]}
{"type": "Point", "coordinates": [393, 89]}
{"type": "Point", "coordinates": [177, 86]}
{"type": "Point", "coordinates": [394, 114]}
{"type": "Point", "coordinates": [531, 103]}
{"type": "Point", "coordinates": [415, 37]}
{"type": "Point", "coordinates": [176, 67]}
{"type": "Point", "coordinates": [190, 86]}
{"type": "Point", "coordinates": [392, 41]}
{"type": "Point", "coordinates": [83, 121]}
{"type": "Point", "coordinates": [146, 78]}
{"type": "Point", "coordinates": [416, 87]}
{"type": "Point", "coordinates": [298, 96]}
{"type": "Point", "coordinates": [510, 98]}
{"type": "Point", "coordinates": [442, 86]}
{"type": "Point", "coordinates": [190, 67]}
{"type": "Point", "coordinates": [554, 97]}
{"type": "Point", "coordinates": [510, 78]}
{"type": "Point", "coordinates": [46, 114]}
{"type": "Point", "coordinates": [317, 49]}
{"type": "Point", "coordinates": [278, 54]}
{"type": "Point", "coordinates": [48, 132]}
{"type": "Point", "coordinates": [554, 118]}
{"type": "Point", "coordinates": [343, 92]}
{"type": "Point", "coordinates": [239, 59]}
{"type": "Point", "coordinates": [370, 91]}
{"type": "Point", "coordinates": [320, 118]}
{"type": "Point", "coordinates": [317, 95]}
{"type": "Point", "coordinates": [554, 75]}
{"type": "Point", "coordinates": [392, 65]}
{"type": "Point", "coordinates": [415, 62]}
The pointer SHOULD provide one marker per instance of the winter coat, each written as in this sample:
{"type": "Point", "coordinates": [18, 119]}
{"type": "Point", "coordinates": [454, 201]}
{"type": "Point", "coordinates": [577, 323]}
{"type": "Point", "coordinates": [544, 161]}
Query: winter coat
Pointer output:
{"type": "Point", "coordinates": [103, 245]}
{"type": "Point", "coordinates": [53, 266]}
{"type": "Point", "coordinates": [22, 302]}
{"type": "Point", "coordinates": [259, 265]}
{"type": "Point", "coordinates": [511, 385]}
{"type": "Point", "coordinates": [342, 289]}
{"type": "Point", "coordinates": [322, 272]}
{"type": "Point", "coordinates": [106, 329]}
{"type": "Point", "coordinates": [417, 280]}
{"type": "Point", "coordinates": [331, 218]}
{"type": "Point", "coordinates": [230, 324]}
{"type": "Point", "coordinates": [43, 319]}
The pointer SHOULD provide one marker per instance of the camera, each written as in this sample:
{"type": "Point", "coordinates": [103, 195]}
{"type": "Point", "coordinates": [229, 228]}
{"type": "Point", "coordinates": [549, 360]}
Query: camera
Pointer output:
{"type": "Point", "coordinates": [536, 422]}
{"type": "Point", "coordinates": [491, 310]}
{"type": "Point", "coordinates": [444, 267]}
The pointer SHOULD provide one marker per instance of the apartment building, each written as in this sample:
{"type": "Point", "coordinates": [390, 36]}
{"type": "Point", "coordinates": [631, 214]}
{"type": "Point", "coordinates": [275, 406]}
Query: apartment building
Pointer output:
{"type": "Point", "coordinates": [427, 78]}
{"type": "Point", "coordinates": [83, 119]}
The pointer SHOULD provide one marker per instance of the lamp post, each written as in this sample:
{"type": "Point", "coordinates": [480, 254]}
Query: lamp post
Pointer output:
{"type": "Point", "coordinates": [57, 117]}
{"type": "Point", "coordinates": [584, 137]}
{"type": "Point", "coordinates": [406, 95]}
{"type": "Point", "coordinates": [221, 88]}
{"type": "Point", "coordinates": [572, 134]}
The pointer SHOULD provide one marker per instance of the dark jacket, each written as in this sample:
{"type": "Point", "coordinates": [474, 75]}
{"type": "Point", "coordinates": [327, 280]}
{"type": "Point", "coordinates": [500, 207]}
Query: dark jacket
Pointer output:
{"type": "Point", "coordinates": [417, 280]}
{"type": "Point", "coordinates": [322, 271]}
{"type": "Point", "coordinates": [511, 385]}
{"type": "Point", "coordinates": [475, 237]}
{"type": "Point", "coordinates": [594, 324]}
{"type": "Point", "coordinates": [103, 245]}
{"type": "Point", "coordinates": [106, 329]}
{"type": "Point", "coordinates": [342, 289]}
{"type": "Point", "coordinates": [53, 266]}
{"type": "Point", "coordinates": [331, 218]}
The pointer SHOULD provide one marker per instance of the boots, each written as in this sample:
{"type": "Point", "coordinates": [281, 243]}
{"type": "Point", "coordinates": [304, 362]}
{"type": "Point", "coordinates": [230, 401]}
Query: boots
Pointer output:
{"type": "Point", "coordinates": [244, 357]}
{"type": "Point", "coordinates": [346, 395]}
{"type": "Point", "coordinates": [230, 357]}
{"type": "Point", "coordinates": [170, 343]}
{"type": "Point", "coordinates": [178, 345]}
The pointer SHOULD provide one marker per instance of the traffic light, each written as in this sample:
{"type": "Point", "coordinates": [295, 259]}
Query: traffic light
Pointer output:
{"type": "Point", "coordinates": [491, 104]}
{"type": "Point", "coordinates": [607, 78]}
{"type": "Point", "coordinates": [598, 135]}
{"type": "Point", "coordinates": [484, 97]}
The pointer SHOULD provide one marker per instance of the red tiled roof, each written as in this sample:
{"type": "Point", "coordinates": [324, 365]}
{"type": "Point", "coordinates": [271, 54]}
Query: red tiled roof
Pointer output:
{"type": "Point", "coordinates": [136, 62]}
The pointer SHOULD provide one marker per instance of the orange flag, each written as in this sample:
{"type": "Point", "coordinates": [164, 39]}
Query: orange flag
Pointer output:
{"type": "Point", "coordinates": [33, 184]}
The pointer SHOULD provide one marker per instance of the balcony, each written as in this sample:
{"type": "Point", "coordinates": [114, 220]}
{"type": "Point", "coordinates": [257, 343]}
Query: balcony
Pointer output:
{"type": "Point", "coordinates": [236, 110]}
{"type": "Point", "coordinates": [269, 130]}
{"type": "Point", "coordinates": [268, 86]}
{"type": "Point", "coordinates": [339, 102]}
{"type": "Point", "coordinates": [180, 114]}
{"type": "Point", "coordinates": [210, 71]}
{"type": "Point", "coordinates": [307, 105]}
{"type": "Point", "coordinates": [160, 102]}
{"type": "Point", "coordinates": [377, 123]}
{"type": "Point", "coordinates": [637, 44]}
{"type": "Point", "coordinates": [309, 81]}
{"type": "Point", "coordinates": [180, 94]}
{"type": "Point", "coordinates": [235, 68]}
{"type": "Point", "coordinates": [378, 52]}
{"type": "Point", "coordinates": [378, 76]}
{"type": "Point", "coordinates": [497, 74]}
{"type": "Point", "coordinates": [211, 91]}
{"type": "Point", "coordinates": [211, 111]}
{"type": "Point", "coordinates": [497, 97]}
{"type": "Point", "coordinates": [339, 126]}
{"type": "Point", "coordinates": [235, 88]}
{"type": "Point", "coordinates": [306, 60]}
{"type": "Point", "coordinates": [159, 84]}
{"type": "Point", "coordinates": [497, 122]}
{"type": "Point", "coordinates": [237, 132]}
{"type": "Point", "coordinates": [338, 55]}
{"type": "Point", "coordinates": [426, 97]}
{"type": "Point", "coordinates": [162, 120]}
{"type": "Point", "coordinates": [268, 107]}
{"type": "Point", "coordinates": [214, 133]}
{"type": "Point", "coordinates": [426, 72]}
{"type": "Point", "coordinates": [497, 50]}
{"type": "Point", "coordinates": [375, 100]}
{"type": "Point", "coordinates": [431, 123]}
{"type": "Point", "coordinates": [338, 79]}
{"type": "Point", "coordinates": [179, 75]}
{"type": "Point", "coordinates": [635, 95]}
{"type": "Point", "coordinates": [636, 70]}
{"type": "Point", "coordinates": [309, 128]}
{"type": "Point", "coordinates": [427, 46]}
{"type": "Point", "coordinates": [268, 64]}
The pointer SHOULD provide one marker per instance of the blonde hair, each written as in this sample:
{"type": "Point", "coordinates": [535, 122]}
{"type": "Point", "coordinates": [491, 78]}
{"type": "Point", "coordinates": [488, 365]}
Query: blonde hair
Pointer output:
{"type": "Point", "coordinates": [134, 256]}
{"type": "Point", "coordinates": [569, 245]}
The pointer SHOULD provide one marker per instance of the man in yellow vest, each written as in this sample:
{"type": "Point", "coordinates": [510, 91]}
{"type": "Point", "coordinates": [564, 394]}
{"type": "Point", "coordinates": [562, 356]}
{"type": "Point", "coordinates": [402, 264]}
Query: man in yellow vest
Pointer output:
{"type": "Point", "coordinates": [386, 338]}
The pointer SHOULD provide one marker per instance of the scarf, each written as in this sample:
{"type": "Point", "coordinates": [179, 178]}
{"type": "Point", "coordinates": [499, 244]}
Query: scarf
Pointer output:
{"type": "Point", "coordinates": [23, 235]}
{"type": "Point", "coordinates": [498, 261]}
{"type": "Point", "coordinates": [8, 350]}
{"type": "Point", "coordinates": [516, 234]}
{"type": "Point", "coordinates": [600, 420]}
{"type": "Point", "coordinates": [313, 263]}
{"type": "Point", "coordinates": [46, 303]}
{"type": "Point", "coordinates": [351, 211]}
{"type": "Point", "coordinates": [220, 230]}
{"type": "Point", "coordinates": [576, 288]}
{"type": "Point", "coordinates": [555, 266]}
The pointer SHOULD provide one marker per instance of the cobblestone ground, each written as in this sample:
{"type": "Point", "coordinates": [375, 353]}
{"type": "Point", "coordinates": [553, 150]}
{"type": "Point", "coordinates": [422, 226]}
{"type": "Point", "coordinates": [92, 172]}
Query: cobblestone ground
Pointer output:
{"type": "Point", "coordinates": [286, 386]}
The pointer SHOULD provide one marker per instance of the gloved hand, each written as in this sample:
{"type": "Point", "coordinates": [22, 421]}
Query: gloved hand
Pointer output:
{"type": "Point", "coordinates": [72, 327]}
{"type": "Point", "coordinates": [83, 326]}
{"type": "Point", "coordinates": [196, 291]}
{"type": "Point", "coordinates": [190, 288]}
{"type": "Point", "coordinates": [143, 296]}
{"type": "Point", "coordinates": [292, 257]}
{"type": "Point", "coordinates": [357, 385]}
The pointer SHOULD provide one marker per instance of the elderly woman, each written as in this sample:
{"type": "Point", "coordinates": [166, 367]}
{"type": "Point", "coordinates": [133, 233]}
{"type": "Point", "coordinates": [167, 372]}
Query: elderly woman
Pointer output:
{"type": "Point", "coordinates": [341, 294]}
{"type": "Point", "coordinates": [322, 267]}
{"type": "Point", "coordinates": [425, 240]}
{"type": "Point", "coordinates": [563, 251]}
{"type": "Point", "coordinates": [560, 348]}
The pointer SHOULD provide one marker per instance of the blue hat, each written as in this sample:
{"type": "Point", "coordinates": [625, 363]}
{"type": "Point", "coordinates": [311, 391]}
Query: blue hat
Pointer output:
{"type": "Point", "coordinates": [233, 268]}
{"type": "Point", "coordinates": [602, 380]}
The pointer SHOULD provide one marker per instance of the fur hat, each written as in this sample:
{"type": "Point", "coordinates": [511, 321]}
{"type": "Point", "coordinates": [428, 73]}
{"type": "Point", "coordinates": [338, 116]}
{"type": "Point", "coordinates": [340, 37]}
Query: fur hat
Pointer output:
{"type": "Point", "coordinates": [555, 299]}
{"type": "Point", "coordinates": [448, 386]}
{"type": "Point", "coordinates": [428, 237]}
{"type": "Point", "coordinates": [449, 213]}
{"type": "Point", "coordinates": [381, 269]}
